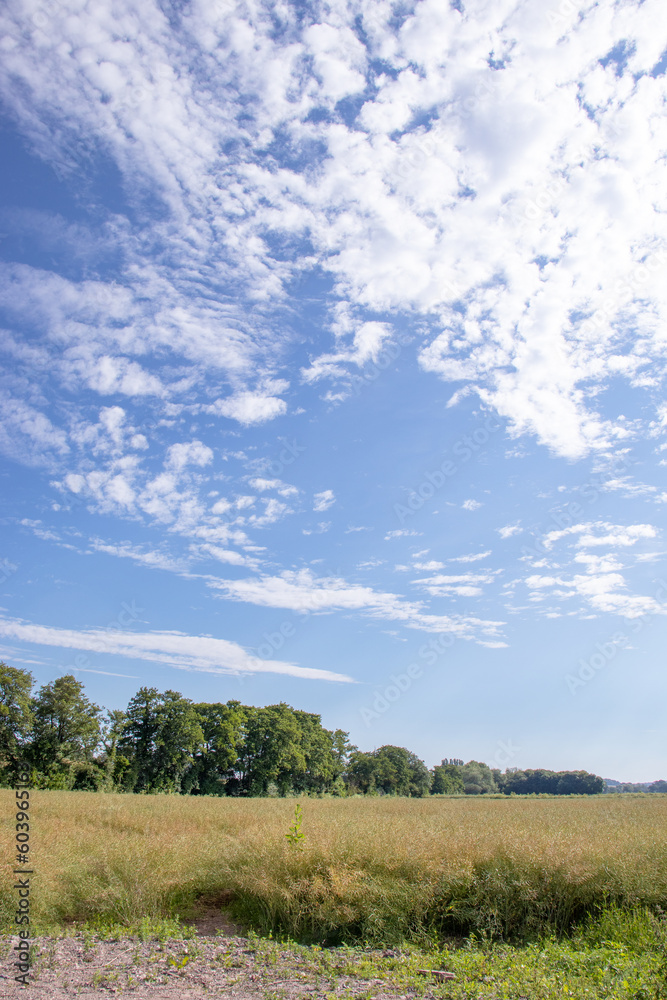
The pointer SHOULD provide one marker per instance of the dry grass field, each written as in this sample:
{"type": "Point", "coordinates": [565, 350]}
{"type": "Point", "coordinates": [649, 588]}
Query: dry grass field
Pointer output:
{"type": "Point", "coordinates": [374, 869]}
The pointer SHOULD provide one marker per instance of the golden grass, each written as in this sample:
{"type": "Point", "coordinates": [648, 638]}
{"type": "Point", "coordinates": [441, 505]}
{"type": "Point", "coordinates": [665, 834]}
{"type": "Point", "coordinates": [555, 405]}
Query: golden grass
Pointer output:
{"type": "Point", "coordinates": [374, 868]}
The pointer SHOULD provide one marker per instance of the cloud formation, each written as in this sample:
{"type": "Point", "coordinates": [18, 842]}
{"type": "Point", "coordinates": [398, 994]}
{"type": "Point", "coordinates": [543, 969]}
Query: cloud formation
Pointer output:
{"type": "Point", "coordinates": [184, 652]}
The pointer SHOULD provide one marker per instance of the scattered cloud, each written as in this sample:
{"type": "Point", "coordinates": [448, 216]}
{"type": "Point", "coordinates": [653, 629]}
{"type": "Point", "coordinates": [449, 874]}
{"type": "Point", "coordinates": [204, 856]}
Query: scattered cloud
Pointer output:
{"type": "Point", "coordinates": [300, 591]}
{"type": "Point", "coordinates": [510, 529]}
{"type": "Point", "coordinates": [473, 557]}
{"type": "Point", "coordinates": [323, 500]}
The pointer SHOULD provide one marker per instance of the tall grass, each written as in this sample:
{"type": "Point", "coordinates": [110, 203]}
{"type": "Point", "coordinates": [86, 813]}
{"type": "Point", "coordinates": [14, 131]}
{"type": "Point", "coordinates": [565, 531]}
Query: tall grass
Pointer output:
{"type": "Point", "coordinates": [374, 869]}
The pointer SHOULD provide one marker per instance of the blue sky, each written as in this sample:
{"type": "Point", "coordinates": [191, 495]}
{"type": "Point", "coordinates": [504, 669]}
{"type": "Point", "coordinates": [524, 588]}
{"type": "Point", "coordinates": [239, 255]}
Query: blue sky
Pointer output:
{"type": "Point", "coordinates": [333, 358]}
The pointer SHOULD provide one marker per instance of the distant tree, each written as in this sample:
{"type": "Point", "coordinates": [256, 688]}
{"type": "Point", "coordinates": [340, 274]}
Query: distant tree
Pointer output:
{"type": "Point", "coordinates": [361, 773]}
{"type": "Point", "coordinates": [531, 782]}
{"type": "Point", "coordinates": [16, 719]}
{"type": "Point", "coordinates": [389, 770]}
{"type": "Point", "coordinates": [342, 750]}
{"type": "Point", "coordinates": [160, 738]}
{"type": "Point", "coordinates": [658, 786]}
{"type": "Point", "coordinates": [446, 780]}
{"type": "Point", "coordinates": [66, 735]}
{"type": "Point", "coordinates": [579, 783]}
{"type": "Point", "coordinates": [477, 778]}
{"type": "Point", "coordinates": [499, 778]}
{"type": "Point", "coordinates": [542, 782]}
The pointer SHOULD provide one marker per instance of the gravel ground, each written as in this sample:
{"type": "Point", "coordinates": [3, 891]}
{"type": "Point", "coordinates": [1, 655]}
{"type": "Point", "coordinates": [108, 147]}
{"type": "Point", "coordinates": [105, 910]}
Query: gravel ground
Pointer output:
{"type": "Point", "coordinates": [220, 966]}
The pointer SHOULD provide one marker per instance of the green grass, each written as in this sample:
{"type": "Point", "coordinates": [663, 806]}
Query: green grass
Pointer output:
{"type": "Point", "coordinates": [380, 871]}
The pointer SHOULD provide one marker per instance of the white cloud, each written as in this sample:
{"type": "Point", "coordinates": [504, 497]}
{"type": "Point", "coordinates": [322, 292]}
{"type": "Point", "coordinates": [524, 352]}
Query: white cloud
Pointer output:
{"type": "Point", "coordinates": [472, 222]}
{"type": "Point", "coordinates": [367, 344]}
{"type": "Point", "coordinates": [510, 529]}
{"type": "Point", "coordinates": [250, 407]}
{"type": "Point", "coordinates": [261, 485]}
{"type": "Point", "coordinates": [323, 500]}
{"type": "Point", "coordinates": [463, 585]}
{"type": "Point", "coordinates": [473, 557]}
{"type": "Point", "coordinates": [274, 510]}
{"type": "Point", "coordinates": [611, 534]}
{"type": "Point", "coordinates": [224, 555]}
{"type": "Point", "coordinates": [108, 375]}
{"type": "Point", "coordinates": [471, 504]}
{"type": "Point", "coordinates": [190, 453]}
{"type": "Point", "coordinates": [302, 592]}
{"type": "Point", "coordinates": [145, 557]}
{"type": "Point", "coordinates": [402, 533]}
{"type": "Point", "coordinates": [27, 435]}
{"type": "Point", "coordinates": [184, 652]}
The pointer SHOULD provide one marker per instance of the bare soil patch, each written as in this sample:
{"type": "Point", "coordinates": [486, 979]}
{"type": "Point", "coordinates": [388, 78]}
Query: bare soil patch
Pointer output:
{"type": "Point", "coordinates": [190, 969]}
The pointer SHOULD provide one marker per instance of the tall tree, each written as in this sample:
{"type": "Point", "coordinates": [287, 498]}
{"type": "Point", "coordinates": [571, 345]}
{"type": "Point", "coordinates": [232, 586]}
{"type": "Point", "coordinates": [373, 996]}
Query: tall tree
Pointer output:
{"type": "Point", "coordinates": [447, 780]}
{"type": "Point", "coordinates": [66, 731]}
{"type": "Point", "coordinates": [160, 738]}
{"type": "Point", "coordinates": [223, 730]}
{"type": "Point", "coordinates": [114, 764]}
{"type": "Point", "coordinates": [272, 753]}
{"type": "Point", "coordinates": [16, 718]}
{"type": "Point", "coordinates": [137, 744]}
{"type": "Point", "coordinates": [477, 778]}
{"type": "Point", "coordinates": [179, 737]}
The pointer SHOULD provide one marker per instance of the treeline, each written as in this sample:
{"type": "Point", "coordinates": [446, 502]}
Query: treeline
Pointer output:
{"type": "Point", "coordinates": [616, 787]}
{"type": "Point", "coordinates": [164, 742]}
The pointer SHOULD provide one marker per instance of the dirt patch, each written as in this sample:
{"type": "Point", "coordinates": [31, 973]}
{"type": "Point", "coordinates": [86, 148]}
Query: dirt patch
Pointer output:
{"type": "Point", "coordinates": [192, 969]}
{"type": "Point", "coordinates": [210, 917]}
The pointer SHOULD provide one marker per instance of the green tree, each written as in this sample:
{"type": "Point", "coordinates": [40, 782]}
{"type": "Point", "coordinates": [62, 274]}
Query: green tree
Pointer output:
{"type": "Point", "coordinates": [447, 780]}
{"type": "Point", "coordinates": [223, 731]}
{"type": "Point", "coordinates": [389, 770]}
{"type": "Point", "coordinates": [272, 753]}
{"type": "Point", "coordinates": [160, 738]}
{"type": "Point", "coordinates": [325, 755]}
{"type": "Point", "coordinates": [113, 763]}
{"type": "Point", "coordinates": [477, 778]}
{"type": "Point", "coordinates": [179, 738]}
{"type": "Point", "coordinates": [579, 783]}
{"type": "Point", "coordinates": [66, 734]}
{"type": "Point", "coordinates": [361, 772]}
{"type": "Point", "coordinates": [16, 719]}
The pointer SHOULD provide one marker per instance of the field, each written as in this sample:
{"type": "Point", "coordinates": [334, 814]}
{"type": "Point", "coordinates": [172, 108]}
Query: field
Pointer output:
{"type": "Point", "coordinates": [375, 870]}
